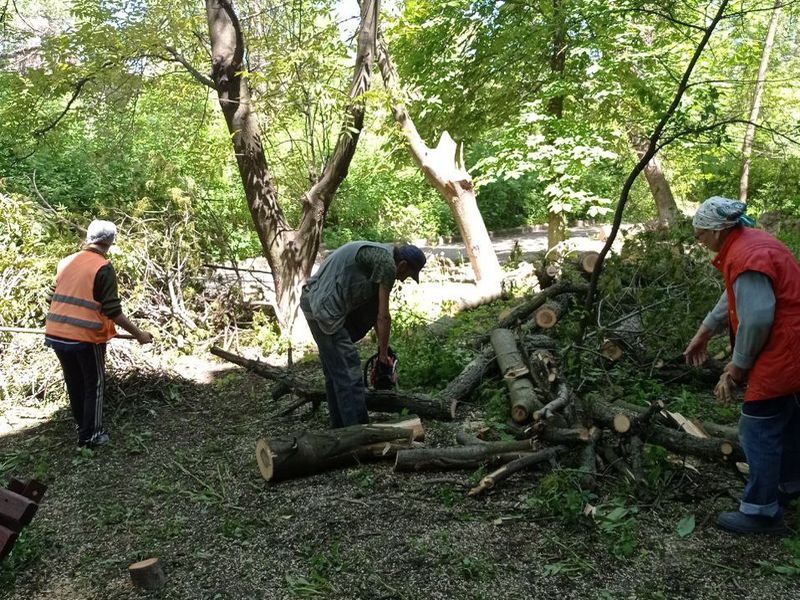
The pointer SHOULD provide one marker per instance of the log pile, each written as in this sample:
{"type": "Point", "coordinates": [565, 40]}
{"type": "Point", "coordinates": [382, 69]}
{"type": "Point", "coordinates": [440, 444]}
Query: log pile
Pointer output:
{"type": "Point", "coordinates": [18, 505]}
{"type": "Point", "coordinates": [551, 422]}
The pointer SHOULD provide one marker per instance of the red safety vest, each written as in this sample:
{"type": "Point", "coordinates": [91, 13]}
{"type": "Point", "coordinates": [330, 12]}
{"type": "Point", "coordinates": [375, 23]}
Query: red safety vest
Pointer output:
{"type": "Point", "coordinates": [776, 371]}
{"type": "Point", "coordinates": [74, 313]}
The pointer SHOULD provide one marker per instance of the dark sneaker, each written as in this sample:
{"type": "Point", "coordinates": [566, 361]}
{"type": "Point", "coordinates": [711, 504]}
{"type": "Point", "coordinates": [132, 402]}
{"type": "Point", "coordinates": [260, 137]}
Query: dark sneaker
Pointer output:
{"type": "Point", "coordinates": [101, 439]}
{"type": "Point", "coordinates": [738, 522]}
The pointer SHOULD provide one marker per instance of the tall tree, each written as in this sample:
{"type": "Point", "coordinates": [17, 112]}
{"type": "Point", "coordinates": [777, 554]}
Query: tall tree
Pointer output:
{"type": "Point", "coordinates": [290, 252]}
{"type": "Point", "coordinates": [758, 92]}
{"type": "Point", "coordinates": [444, 170]}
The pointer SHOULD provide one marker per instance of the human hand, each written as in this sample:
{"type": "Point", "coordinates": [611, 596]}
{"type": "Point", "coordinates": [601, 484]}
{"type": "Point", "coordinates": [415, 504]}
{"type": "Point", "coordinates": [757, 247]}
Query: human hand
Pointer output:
{"type": "Point", "coordinates": [738, 375]}
{"type": "Point", "coordinates": [696, 352]}
{"type": "Point", "coordinates": [144, 337]}
{"type": "Point", "coordinates": [725, 388]}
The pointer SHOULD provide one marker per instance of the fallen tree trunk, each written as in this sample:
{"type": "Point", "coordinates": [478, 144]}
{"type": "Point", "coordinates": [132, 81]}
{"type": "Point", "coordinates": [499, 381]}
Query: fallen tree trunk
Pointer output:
{"type": "Point", "coordinates": [310, 452]}
{"type": "Point", "coordinates": [396, 401]}
{"type": "Point", "coordinates": [466, 382]}
{"type": "Point", "coordinates": [506, 471]}
{"type": "Point", "coordinates": [470, 456]}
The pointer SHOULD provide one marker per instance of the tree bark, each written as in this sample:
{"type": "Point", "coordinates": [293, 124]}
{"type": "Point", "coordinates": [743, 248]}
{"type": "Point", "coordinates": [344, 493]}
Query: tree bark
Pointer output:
{"type": "Point", "coordinates": [289, 252]}
{"type": "Point", "coordinates": [470, 456]}
{"type": "Point", "coordinates": [147, 574]}
{"type": "Point", "coordinates": [310, 452]}
{"type": "Point", "coordinates": [443, 168]}
{"type": "Point", "coordinates": [524, 399]}
{"type": "Point", "coordinates": [758, 92]}
{"type": "Point", "coordinates": [675, 441]}
{"type": "Point", "coordinates": [666, 208]}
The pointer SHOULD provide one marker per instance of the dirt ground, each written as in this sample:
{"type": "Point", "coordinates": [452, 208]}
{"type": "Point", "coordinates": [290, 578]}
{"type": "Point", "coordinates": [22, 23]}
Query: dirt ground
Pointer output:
{"type": "Point", "coordinates": [179, 481]}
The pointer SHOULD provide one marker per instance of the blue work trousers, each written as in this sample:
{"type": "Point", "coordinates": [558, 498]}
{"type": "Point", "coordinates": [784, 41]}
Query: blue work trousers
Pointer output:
{"type": "Point", "coordinates": [344, 386]}
{"type": "Point", "coordinates": [770, 434]}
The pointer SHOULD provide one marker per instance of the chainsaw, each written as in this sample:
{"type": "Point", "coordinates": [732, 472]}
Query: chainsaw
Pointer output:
{"type": "Point", "coordinates": [378, 376]}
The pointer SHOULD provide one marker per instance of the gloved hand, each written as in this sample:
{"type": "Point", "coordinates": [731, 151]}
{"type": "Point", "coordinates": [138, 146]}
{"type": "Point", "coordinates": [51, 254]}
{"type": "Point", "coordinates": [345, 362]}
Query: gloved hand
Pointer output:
{"type": "Point", "coordinates": [725, 389]}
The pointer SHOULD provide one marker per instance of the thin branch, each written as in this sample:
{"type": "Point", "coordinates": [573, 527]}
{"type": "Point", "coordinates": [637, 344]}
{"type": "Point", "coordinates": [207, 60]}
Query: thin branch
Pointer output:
{"type": "Point", "coordinates": [179, 58]}
{"type": "Point", "coordinates": [644, 160]}
{"type": "Point", "coordinates": [75, 93]}
{"type": "Point", "coordinates": [705, 128]}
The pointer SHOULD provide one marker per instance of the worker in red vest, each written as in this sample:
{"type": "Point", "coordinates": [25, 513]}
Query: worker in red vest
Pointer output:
{"type": "Point", "coordinates": [761, 304]}
{"type": "Point", "coordinates": [84, 307]}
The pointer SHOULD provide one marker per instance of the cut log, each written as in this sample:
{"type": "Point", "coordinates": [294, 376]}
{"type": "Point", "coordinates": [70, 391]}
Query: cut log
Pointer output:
{"type": "Point", "coordinates": [412, 422]}
{"type": "Point", "coordinates": [506, 471]}
{"type": "Point", "coordinates": [543, 368]}
{"type": "Point", "coordinates": [675, 441]}
{"type": "Point", "coordinates": [507, 354]}
{"type": "Point", "coordinates": [313, 451]}
{"type": "Point", "coordinates": [695, 426]}
{"type": "Point", "coordinates": [589, 460]}
{"type": "Point", "coordinates": [611, 350]}
{"type": "Point", "coordinates": [524, 398]}
{"type": "Point", "coordinates": [586, 261]}
{"type": "Point", "coordinates": [16, 511]}
{"type": "Point", "coordinates": [377, 400]}
{"type": "Point", "coordinates": [470, 456]}
{"type": "Point", "coordinates": [147, 574]}
{"type": "Point", "coordinates": [636, 449]}
{"type": "Point", "coordinates": [548, 315]}
{"type": "Point", "coordinates": [621, 423]}
{"type": "Point", "coordinates": [523, 311]}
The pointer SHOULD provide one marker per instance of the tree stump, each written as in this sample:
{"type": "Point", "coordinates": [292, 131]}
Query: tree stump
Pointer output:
{"type": "Point", "coordinates": [147, 574]}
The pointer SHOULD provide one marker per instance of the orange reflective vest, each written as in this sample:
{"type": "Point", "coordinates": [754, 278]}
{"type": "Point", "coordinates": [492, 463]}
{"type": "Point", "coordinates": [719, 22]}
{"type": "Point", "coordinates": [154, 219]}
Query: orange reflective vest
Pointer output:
{"type": "Point", "coordinates": [776, 371]}
{"type": "Point", "coordinates": [74, 313]}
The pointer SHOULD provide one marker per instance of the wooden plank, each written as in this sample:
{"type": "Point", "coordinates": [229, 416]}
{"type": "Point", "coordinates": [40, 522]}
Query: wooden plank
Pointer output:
{"type": "Point", "coordinates": [34, 490]}
{"type": "Point", "coordinates": [7, 539]}
{"type": "Point", "coordinates": [16, 485]}
{"type": "Point", "coordinates": [16, 510]}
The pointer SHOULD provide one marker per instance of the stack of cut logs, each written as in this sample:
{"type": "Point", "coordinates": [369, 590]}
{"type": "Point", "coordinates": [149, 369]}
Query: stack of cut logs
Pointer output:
{"type": "Point", "coordinates": [549, 421]}
{"type": "Point", "coordinates": [18, 504]}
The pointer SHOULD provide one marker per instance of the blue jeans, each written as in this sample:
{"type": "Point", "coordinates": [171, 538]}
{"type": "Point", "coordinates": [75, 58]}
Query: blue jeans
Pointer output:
{"type": "Point", "coordinates": [344, 386]}
{"type": "Point", "coordinates": [770, 434]}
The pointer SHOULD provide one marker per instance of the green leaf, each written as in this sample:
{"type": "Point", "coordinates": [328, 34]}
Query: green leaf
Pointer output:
{"type": "Point", "coordinates": [685, 526]}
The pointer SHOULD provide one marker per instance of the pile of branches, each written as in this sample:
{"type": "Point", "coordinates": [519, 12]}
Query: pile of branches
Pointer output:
{"type": "Point", "coordinates": [549, 421]}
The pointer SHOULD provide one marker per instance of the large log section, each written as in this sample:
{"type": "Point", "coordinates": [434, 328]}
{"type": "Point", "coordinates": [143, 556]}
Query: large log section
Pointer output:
{"type": "Point", "coordinates": [308, 452]}
{"type": "Point", "coordinates": [379, 401]}
{"type": "Point", "coordinates": [524, 398]}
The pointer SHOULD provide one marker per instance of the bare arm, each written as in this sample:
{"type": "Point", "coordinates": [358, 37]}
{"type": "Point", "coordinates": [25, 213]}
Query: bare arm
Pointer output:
{"type": "Point", "coordinates": [143, 337]}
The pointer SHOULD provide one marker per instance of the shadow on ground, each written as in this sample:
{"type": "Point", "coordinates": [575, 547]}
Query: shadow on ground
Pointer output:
{"type": "Point", "coordinates": [179, 481]}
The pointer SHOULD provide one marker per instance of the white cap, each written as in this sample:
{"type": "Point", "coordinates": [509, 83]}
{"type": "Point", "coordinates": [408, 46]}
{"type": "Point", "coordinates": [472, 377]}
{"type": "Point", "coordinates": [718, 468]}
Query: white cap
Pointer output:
{"type": "Point", "coordinates": [101, 232]}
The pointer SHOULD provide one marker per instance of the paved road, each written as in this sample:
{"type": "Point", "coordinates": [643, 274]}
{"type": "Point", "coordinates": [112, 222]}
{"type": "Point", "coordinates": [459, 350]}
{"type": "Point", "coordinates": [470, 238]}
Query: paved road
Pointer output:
{"type": "Point", "coordinates": [530, 242]}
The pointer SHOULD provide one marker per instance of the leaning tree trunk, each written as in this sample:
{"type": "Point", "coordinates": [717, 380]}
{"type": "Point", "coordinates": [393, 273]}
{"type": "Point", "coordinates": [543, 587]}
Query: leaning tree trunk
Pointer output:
{"type": "Point", "coordinates": [750, 132]}
{"type": "Point", "coordinates": [666, 208]}
{"type": "Point", "coordinates": [444, 170]}
{"type": "Point", "coordinates": [290, 252]}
